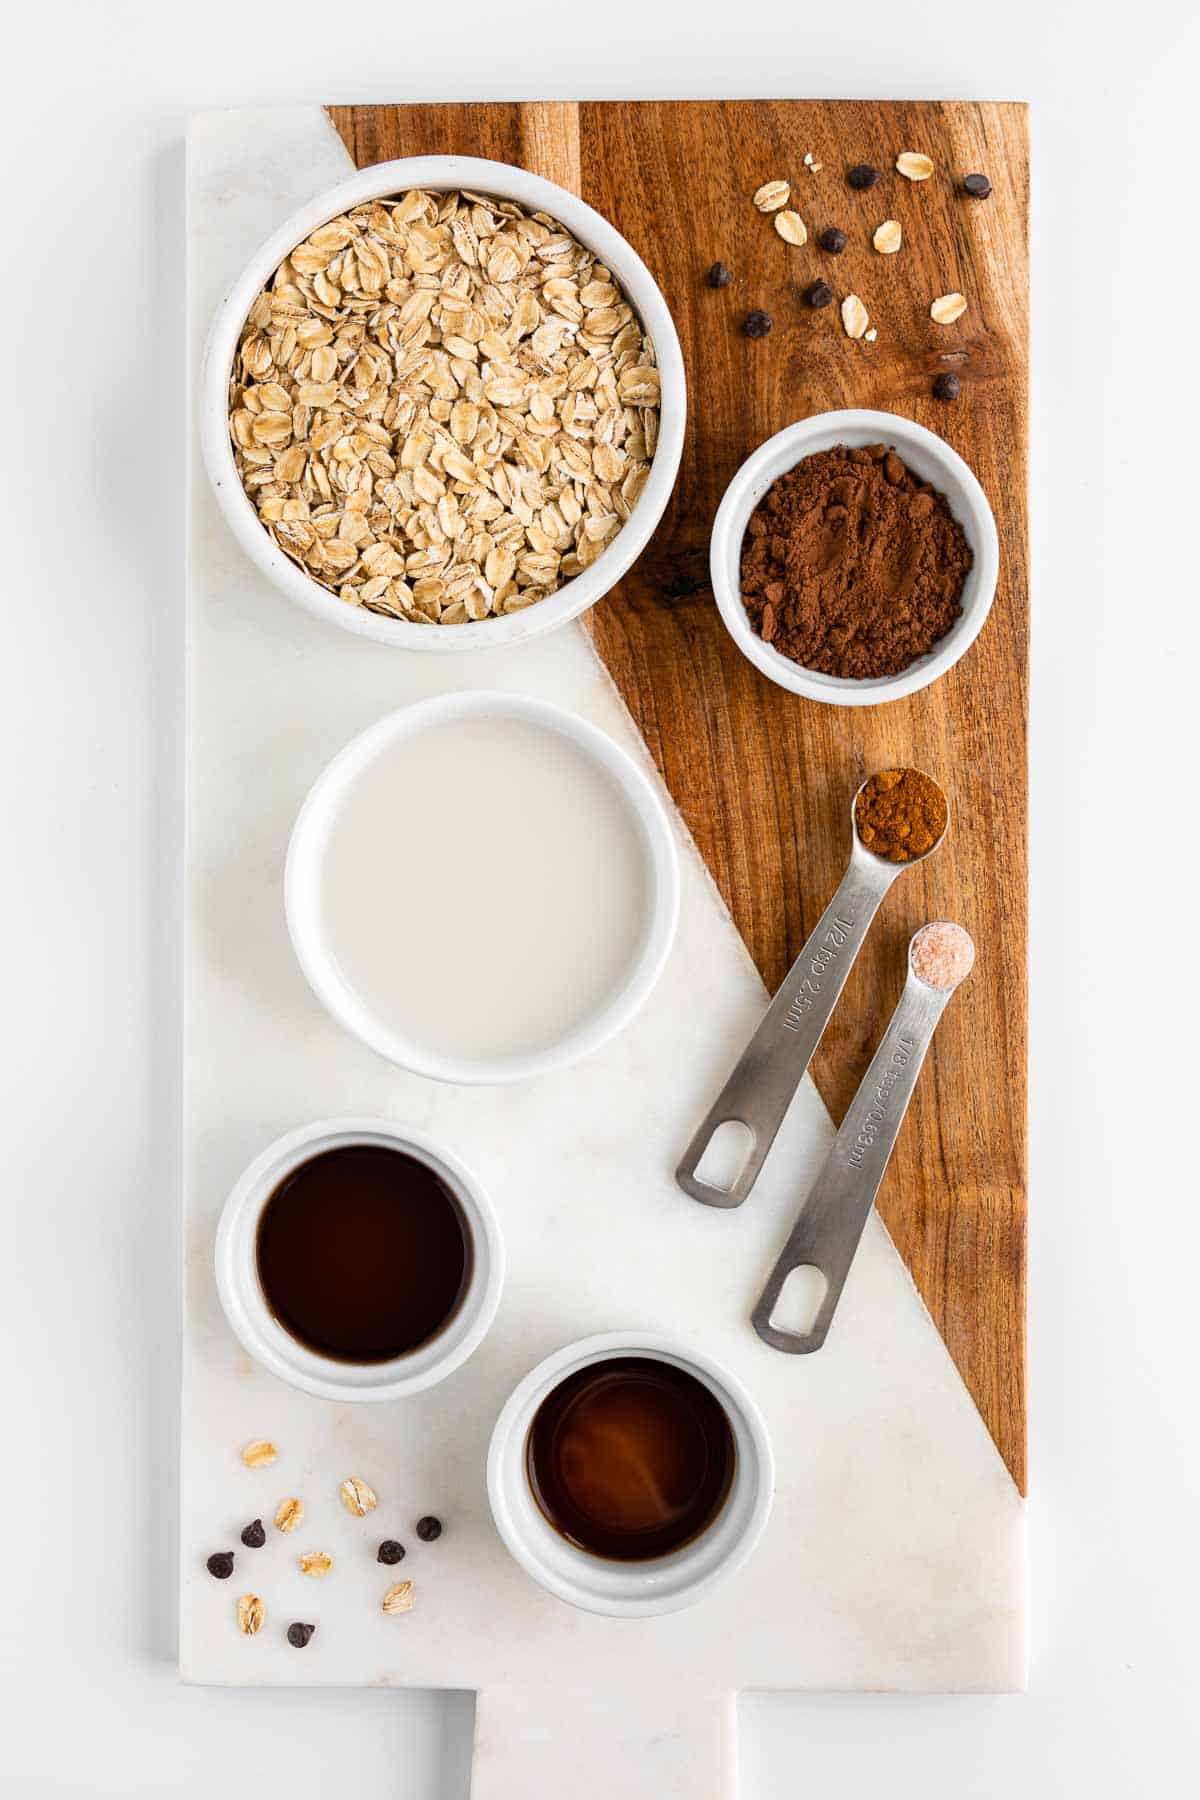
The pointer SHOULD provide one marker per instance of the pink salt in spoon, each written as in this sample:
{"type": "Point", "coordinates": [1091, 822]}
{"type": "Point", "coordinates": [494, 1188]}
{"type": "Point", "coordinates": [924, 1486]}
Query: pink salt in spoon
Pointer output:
{"type": "Point", "coordinates": [826, 1235]}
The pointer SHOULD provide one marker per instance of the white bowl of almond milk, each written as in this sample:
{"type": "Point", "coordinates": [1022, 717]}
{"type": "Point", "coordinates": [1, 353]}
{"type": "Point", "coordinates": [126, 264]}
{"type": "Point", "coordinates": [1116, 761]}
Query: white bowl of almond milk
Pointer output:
{"type": "Point", "coordinates": [482, 887]}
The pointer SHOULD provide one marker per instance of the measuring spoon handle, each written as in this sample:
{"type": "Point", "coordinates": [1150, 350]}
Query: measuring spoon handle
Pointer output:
{"type": "Point", "coordinates": [760, 1089]}
{"type": "Point", "coordinates": [833, 1217]}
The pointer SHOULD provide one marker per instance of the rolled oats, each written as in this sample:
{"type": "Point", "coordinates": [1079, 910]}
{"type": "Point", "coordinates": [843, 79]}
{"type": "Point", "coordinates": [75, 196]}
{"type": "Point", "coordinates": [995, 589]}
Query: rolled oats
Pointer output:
{"type": "Point", "coordinates": [357, 1496]}
{"type": "Point", "coordinates": [947, 308]}
{"type": "Point", "coordinates": [914, 166]}
{"type": "Point", "coordinates": [251, 1614]}
{"type": "Point", "coordinates": [772, 195]}
{"type": "Point", "coordinates": [888, 237]}
{"type": "Point", "coordinates": [791, 228]}
{"type": "Point", "coordinates": [260, 1454]}
{"type": "Point", "coordinates": [399, 1598]}
{"type": "Point", "coordinates": [443, 407]}
{"type": "Point", "coordinates": [288, 1514]}
{"type": "Point", "coordinates": [854, 316]}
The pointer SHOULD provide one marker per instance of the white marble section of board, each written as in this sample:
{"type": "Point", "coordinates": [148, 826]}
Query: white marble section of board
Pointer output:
{"type": "Point", "coordinates": [895, 1555]}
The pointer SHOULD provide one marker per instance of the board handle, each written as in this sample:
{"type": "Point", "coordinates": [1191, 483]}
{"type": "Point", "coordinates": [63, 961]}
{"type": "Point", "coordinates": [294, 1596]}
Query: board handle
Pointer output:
{"type": "Point", "coordinates": [649, 1743]}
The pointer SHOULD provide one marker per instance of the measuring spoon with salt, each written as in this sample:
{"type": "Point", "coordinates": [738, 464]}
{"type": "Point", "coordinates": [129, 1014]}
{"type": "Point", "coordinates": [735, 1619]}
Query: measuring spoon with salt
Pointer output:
{"type": "Point", "coordinates": [826, 1235]}
{"type": "Point", "coordinates": [772, 1066]}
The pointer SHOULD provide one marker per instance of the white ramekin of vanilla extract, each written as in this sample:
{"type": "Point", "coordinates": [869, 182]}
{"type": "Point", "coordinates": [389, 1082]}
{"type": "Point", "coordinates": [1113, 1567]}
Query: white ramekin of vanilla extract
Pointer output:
{"type": "Point", "coordinates": [482, 887]}
{"type": "Point", "coordinates": [359, 1260]}
{"type": "Point", "coordinates": [628, 1474]}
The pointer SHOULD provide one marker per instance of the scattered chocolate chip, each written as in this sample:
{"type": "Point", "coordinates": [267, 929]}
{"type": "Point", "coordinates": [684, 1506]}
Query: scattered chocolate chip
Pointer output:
{"type": "Point", "coordinates": [947, 387]}
{"type": "Point", "coordinates": [299, 1635]}
{"type": "Point", "coordinates": [254, 1537]}
{"type": "Point", "coordinates": [978, 186]}
{"type": "Point", "coordinates": [862, 176]}
{"type": "Point", "coordinates": [221, 1565]}
{"type": "Point", "coordinates": [757, 324]}
{"type": "Point", "coordinates": [390, 1551]}
{"type": "Point", "coordinates": [819, 294]}
{"type": "Point", "coordinates": [429, 1528]}
{"type": "Point", "coordinates": [720, 275]}
{"type": "Point", "coordinates": [833, 240]}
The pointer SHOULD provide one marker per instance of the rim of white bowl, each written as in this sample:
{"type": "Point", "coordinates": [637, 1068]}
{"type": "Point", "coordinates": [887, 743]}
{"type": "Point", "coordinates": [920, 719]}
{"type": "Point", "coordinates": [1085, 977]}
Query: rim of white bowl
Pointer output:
{"type": "Point", "coordinates": [440, 174]}
{"type": "Point", "coordinates": [630, 1590]}
{"type": "Point", "coordinates": [259, 1331]}
{"type": "Point", "coordinates": [932, 458]}
{"type": "Point", "coordinates": [302, 883]}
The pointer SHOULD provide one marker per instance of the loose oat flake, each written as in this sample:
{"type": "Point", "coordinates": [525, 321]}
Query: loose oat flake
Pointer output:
{"type": "Point", "coordinates": [443, 407]}
{"type": "Point", "coordinates": [357, 1497]}
{"type": "Point", "coordinates": [791, 228]}
{"type": "Point", "coordinates": [949, 307]}
{"type": "Point", "coordinates": [855, 318]}
{"type": "Point", "coordinates": [288, 1514]}
{"type": "Point", "coordinates": [251, 1614]}
{"type": "Point", "coordinates": [888, 237]}
{"type": "Point", "coordinates": [260, 1454]}
{"type": "Point", "coordinates": [772, 195]}
{"type": "Point", "coordinates": [914, 166]}
{"type": "Point", "coordinates": [399, 1599]}
{"type": "Point", "coordinates": [315, 1562]}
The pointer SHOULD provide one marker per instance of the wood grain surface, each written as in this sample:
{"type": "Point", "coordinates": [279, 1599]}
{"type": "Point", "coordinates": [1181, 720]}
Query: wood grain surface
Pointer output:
{"type": "Point", "coordinates": [762, 777]}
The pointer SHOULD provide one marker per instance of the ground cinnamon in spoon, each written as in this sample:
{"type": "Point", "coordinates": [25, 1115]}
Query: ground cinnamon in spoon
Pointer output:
{"type": "Point", "coordinates": [900, 814]}
{"type": "Point", "coordinates": [853, 566]}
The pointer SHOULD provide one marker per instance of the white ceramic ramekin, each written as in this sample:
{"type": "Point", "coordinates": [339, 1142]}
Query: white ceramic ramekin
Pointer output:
{"type": "Point", "coordinates": [441, 174]}
{"type": "Point", "coordinates": [928, 456]}
{"type": "Point", "coordinates": [629, 1590]}
{"type": "Point", "coordinates": [259, 1331]}
{"type": "Point", "coordinates": [310, 836]}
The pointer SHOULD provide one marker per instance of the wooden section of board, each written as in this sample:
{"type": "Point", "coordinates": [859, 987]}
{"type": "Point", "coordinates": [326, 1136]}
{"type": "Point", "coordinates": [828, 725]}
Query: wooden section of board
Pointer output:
{"type": "Point", "coordinates": [764, 778]}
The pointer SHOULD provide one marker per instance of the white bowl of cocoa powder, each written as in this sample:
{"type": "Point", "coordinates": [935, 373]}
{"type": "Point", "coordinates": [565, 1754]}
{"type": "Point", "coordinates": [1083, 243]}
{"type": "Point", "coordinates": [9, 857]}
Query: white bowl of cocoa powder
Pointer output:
{"type": "Point", "coordinates": [854, 558]}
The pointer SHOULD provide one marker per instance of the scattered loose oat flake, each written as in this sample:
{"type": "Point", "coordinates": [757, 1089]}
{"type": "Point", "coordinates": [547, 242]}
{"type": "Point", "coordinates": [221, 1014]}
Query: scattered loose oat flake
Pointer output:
{"type": "Point", "coordinates": [399, 1598]}
{"type": "Point", "coordinates": [357, 1496]}
{"type": "Point", "coordinates": [855, 317]}
{"type": "Point", "coordinates": [870, 336]}
{"type": "Point", "coordinates": [791, 228]}
{"type": "Point", "coordinates": [914, 166]}
{"type": "Point", "coordinates": [315, 1562]}
{"type": "Point", "coordinates": [947, 308]}
{"type": "Point", "coordinates": [260, 1454]}
{"type": "Point", "coordinates": [888, 237]}
{"type": "Point", "coordinates": [772, 195]}
{"type": "Point", "coordinates": [251, 1614]}
{"type": "Point", "coordinates": [288, 1514]}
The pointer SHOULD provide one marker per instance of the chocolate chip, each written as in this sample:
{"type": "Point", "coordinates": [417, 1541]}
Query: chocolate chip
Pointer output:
{"type": "Point", "coordinates": [947, 387]}
{"type": "Point", "coordinates": [978, 186]}
{"type": "Point", "coordinates": [819, 294]}
{"type": "Point", "coordinates": [863, 176]}
{"type": "Point", "coordinates": [833, 240]}
{"type": "Point", "coordinates": [221, 1565]}
{"type": "Point", "coordinates": [757, 324]}
{"type": "Point", "coordinates": [299, 1635]}
{"type": "Point", "coordinates": [720, 275]}
{"type": "Point", "coordinates": [429, 1529]}
{"type": "Point", "coordinates": [254, 1537]}
{"type": "Point", "coordinates": [390, 1551]}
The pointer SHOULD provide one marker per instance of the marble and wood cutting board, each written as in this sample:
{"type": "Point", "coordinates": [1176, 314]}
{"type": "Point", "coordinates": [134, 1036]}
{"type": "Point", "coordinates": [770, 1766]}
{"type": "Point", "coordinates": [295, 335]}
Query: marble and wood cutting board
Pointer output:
{"type": "Point", "coordinates": [895, 1555]}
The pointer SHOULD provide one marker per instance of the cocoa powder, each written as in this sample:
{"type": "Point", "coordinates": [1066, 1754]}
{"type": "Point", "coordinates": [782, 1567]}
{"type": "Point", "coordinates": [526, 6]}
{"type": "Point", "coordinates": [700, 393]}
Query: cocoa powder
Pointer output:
{"type": "Point", "coordinates": [852, 565]}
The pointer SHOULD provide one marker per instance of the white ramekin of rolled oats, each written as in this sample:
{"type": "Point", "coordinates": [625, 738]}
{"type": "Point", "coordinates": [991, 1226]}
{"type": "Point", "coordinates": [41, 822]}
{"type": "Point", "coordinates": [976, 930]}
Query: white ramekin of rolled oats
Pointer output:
{"type": "Point", "coordinates": [443, 405]}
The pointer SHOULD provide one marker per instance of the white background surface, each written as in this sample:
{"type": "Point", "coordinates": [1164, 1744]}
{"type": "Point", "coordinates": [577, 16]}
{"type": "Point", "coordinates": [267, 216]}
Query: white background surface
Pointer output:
{"type": "Point", "coordinates": [90, 686]}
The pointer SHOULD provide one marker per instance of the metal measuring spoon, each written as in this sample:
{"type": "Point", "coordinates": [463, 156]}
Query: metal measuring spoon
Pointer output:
{"type": "Point", "coordinates": [772, 1066]}
{"type": "Point", "coordinates": [826, 1235]}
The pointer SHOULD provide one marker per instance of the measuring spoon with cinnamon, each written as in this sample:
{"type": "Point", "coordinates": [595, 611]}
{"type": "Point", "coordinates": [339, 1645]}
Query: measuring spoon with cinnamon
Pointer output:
{"type": "Point", "coordinates": [759, 1091]}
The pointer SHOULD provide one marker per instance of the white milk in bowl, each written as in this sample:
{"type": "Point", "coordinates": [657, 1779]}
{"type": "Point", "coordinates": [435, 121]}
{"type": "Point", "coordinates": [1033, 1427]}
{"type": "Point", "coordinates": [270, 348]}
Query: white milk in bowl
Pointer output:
{"type": "Point", "coordinates": [490, 888]}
